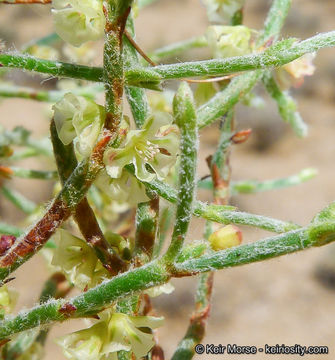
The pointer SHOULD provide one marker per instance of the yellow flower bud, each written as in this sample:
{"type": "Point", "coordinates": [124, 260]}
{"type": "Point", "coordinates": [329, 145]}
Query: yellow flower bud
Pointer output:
{"type": "Point", "coordinates": [226, 237]}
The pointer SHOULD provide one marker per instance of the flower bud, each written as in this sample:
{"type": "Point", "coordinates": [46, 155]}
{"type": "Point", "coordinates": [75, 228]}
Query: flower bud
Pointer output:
{"type": "Point", "coordinates": [226, 237]}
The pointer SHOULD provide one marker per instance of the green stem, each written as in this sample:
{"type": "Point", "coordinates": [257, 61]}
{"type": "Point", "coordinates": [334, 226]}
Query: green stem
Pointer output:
{"type": "Point", "coordinates": [155, 273]}
{"type": "Point", "coordinates": [55, 68]}
{"type": "Point", "coordinates": [185, 117]}
{"type": "Point", "coordinates": [12, 91]}
{"type": "Point", "coordinates": [279, 245]}
{"type": "Point", "coordinates": [274, 56]}
{"type": "Point", "coordinates": [286, 105]}
{"type": "Point", "coordinates": [33, 174]}
{"type": "Point", "coordinates": [254, 186]}
{"type": "Point", "coordinates": [220, 213]}
{"type": "Point", "coordinates": [196, 329]}
{"type": "Point", "coordinates": [19, 200]}
{"type": "Point", "coordinates": [226, 99]}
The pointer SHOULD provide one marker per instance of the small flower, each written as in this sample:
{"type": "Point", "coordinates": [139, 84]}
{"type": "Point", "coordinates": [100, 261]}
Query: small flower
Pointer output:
{"type": "Point", "coordinates": [126, 189]}
{"type": "Point", "coordinates": [77, 260]}
{"type": "Point", "coordinates": [79, 21]}
{"type": "Point", "coordinates": [222, 11]}
{"type": "Point", "coordinates": [156, 146]}
{"type": "Point", "coordinates": [228, 41]}
{"type": "Point", "coordinates": [113, 333]}
{"type": "Point", "coordinates": [155, 291]}
{"type": "Point", "coordinates": [294, 72]}
{"type": "Point", "coordinates": [76, 116]}
{"type": "Point", "coordinates": [8, 298]}
{"type": "Point", "coordinates": [226, 237]}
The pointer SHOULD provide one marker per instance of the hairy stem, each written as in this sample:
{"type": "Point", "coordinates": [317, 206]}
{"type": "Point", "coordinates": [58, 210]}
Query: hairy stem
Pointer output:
{"type": "Point", "coordinates": [185, 117]}
{"type": "Point", "coordinates": [155, 273]}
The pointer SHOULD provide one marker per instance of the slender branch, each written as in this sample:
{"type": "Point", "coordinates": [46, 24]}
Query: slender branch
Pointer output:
{"type": "Point", "coordinates": [226, 99]}
{"type": "Point", "coordinates": [116, 13]}
{"type": "Point", "coordinates": [286, 105]}
{"type": "Point", "coordinates": [155, 273]}
{"type": "Point", "coordinates": [274, 56]}
{"type": "Point", "coordinates": [254, 186]}
{"type": "Point", "coordinates": [54, 68]}
{"type": "Point", "coordinates": [19, 200]}
{"type": "Point", "coordinates": [196, 329]}
{"type": "Point", "coordinates": [31, 174]}
{"type": "Point", "coordinates": [220, 213]}
{"type": "Point", "coordinates": [185, 117]}
{"type": "Point", "coordinates": [12, 91]}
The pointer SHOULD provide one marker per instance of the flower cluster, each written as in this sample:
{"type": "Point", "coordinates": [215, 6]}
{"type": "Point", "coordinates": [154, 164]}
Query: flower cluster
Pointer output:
{"type": "Point", "coordinates": [78, 21]}
{"type": "Point", "coordinates": [222, 11]}
{"type": "Point", "coordinates": [114, 332]}
{"type": "Point", "coordinates": [152, 150]}
{"type": "Point", "coordinates": [78, 117]}
{"type": "Point", "coordinates": [77, 260]}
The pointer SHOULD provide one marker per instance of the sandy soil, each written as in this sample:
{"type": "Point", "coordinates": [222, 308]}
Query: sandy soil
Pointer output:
{"type": "Point", "coordinates": [274, 302]}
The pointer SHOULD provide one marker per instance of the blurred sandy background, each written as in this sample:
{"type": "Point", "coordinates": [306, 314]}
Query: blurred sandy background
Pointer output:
{"type": "Point", "coordinates": [274, 302]}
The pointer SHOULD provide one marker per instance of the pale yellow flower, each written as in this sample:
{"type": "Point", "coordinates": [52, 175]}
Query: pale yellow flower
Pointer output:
{"type": "Point", "coordinates": [78, 21]}
{"type": "Point", "coordinates": [152, 150]}
{"type": "Point", "coordinates": [81, 118]}
{"type": "Point", "coordinates": [113, 333]}
{"type": "Point", "coordinates": [228, 41]}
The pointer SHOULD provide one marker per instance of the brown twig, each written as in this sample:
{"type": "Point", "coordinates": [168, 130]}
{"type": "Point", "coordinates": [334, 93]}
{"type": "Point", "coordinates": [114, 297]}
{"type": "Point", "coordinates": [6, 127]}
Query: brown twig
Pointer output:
{"type": "Point", "coordinates": [138, 49]}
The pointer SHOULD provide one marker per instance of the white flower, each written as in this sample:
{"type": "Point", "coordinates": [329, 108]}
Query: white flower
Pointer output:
{"type": "Point", "coordinates": [76, 116]}
{"type": "Point", "coordinates": [113, 333]}
{"type": "Point", "coordinates": [155, 145]}
{"type": "Point", "coordinates": [85, 344]}
{"type": "Point", "coordinates": [78, 21]}
{"type": "Point", "coordinates": [222, 11]}
{"type": "Point", "coordinates": [77, 260]}
{"type": "Point", "coordinates": [228, 41]}
{"type": "Point", "coordinates": [124, 190]}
